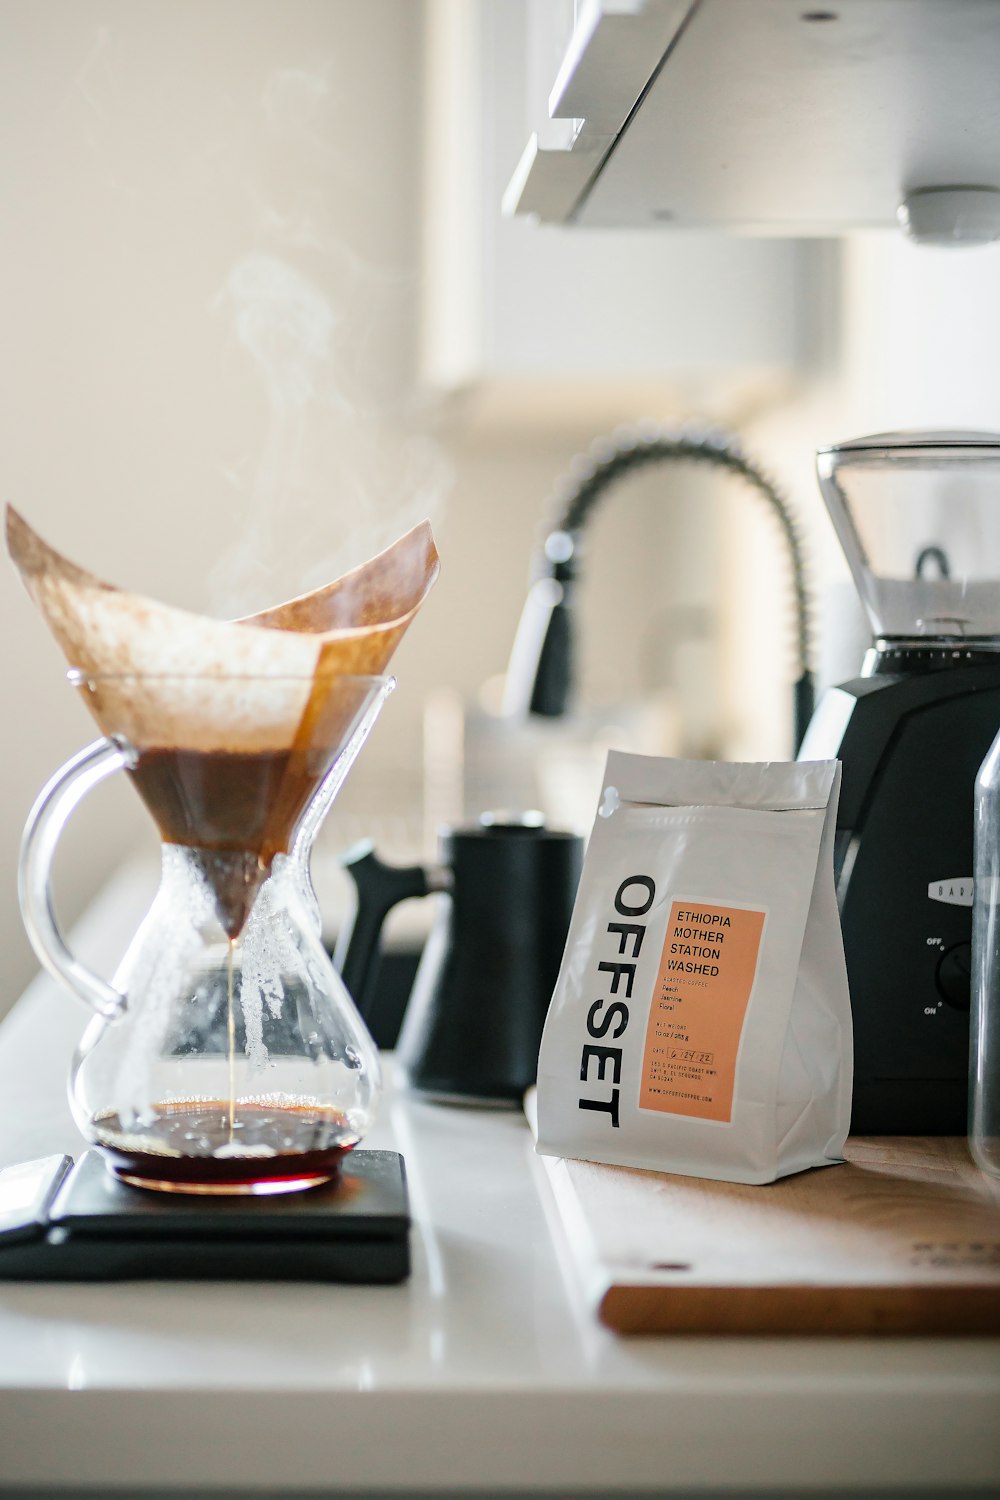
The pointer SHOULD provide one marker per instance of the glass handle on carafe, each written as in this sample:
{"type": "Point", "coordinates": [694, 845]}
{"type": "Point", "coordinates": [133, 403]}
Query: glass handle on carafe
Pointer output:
{"type": "Point", "coordinates": [42, 832]}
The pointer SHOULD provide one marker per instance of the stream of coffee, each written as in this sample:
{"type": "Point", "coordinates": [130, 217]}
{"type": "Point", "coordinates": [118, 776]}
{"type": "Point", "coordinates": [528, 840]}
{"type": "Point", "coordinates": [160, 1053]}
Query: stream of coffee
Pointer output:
{"type": "Point", "coordinates": [231, 1038]}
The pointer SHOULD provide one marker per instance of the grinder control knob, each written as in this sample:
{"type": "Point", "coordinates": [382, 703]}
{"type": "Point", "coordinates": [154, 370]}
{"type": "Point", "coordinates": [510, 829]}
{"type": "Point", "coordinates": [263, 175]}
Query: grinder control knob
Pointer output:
{"type": "Point", "coordinates": [954, 975]}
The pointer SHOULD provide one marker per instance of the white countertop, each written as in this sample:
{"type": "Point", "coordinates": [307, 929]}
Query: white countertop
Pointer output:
{"type": "Point", "coordinates": [483, 1372]}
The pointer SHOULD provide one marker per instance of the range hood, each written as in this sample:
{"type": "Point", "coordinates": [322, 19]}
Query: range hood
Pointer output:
{"type": "Point", "coordinates": [785, 117]}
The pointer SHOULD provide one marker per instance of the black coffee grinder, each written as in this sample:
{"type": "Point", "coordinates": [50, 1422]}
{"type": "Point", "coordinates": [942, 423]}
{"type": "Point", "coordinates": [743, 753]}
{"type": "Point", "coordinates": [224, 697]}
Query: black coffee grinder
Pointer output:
{"type": "Point", "coordinates": [918, 517]}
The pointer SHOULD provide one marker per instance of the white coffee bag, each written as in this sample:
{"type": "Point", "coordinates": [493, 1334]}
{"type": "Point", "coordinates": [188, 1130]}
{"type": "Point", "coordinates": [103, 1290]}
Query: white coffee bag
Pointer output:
{"type": "Point", "coordinates": [701, 1020]}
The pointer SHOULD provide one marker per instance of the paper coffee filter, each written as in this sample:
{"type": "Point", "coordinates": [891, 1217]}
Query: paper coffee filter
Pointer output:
{"type": "Point", "coordinates": [167, 677]}
{"type": "Point", "coordinates": [381, 594]}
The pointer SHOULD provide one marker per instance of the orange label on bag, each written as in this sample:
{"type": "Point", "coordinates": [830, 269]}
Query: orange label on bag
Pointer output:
{"type": "Point", "coordinates": [695, 1023]}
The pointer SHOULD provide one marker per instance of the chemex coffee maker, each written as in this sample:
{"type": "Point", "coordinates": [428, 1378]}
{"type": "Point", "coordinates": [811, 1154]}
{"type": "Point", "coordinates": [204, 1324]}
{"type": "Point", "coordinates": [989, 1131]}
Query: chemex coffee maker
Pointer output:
{"type": "Point", "coordinates": [918, 517]}
{"type": "Point", "coordinates": [225, 1066]}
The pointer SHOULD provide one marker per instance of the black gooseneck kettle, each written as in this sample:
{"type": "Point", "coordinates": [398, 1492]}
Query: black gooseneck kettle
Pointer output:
{"type": "Point", "coordinates": [474, 1020]}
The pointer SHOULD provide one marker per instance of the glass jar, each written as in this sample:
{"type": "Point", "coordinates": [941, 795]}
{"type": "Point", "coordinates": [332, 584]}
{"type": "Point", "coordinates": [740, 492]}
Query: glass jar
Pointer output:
{"type": "Point", "coordinates": [984, 1074]}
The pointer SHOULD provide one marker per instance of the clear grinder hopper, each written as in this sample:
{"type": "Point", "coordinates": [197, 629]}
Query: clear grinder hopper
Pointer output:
{"type": "Point", "coordinates": [918, 517]}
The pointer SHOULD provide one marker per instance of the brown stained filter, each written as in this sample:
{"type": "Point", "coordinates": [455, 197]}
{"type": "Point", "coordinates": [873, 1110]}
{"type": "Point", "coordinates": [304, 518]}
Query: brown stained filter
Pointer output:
{"type": "Point", "coordinates": [384, 589]}
{"type": "Point", "coordinates": [165, 677]}
{"type": "Point", "coordinates": [236, 723]}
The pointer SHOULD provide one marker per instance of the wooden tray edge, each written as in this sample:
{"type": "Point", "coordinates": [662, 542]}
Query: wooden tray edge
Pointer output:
{"type": "Point", "coordinates": [808, 1310]}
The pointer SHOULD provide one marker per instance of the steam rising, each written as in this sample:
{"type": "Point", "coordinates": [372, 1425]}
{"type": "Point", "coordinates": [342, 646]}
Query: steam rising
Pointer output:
{"type": "Point", "coordinates": [340, 471]}
{"type": "Point", "coordinates": [285, 324]}
{"type": "Point", "coordinates": [297, 205]}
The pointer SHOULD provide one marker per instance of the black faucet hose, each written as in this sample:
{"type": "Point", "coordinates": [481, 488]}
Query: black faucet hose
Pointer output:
{"type": "Point", "coordinates": [609, 461]}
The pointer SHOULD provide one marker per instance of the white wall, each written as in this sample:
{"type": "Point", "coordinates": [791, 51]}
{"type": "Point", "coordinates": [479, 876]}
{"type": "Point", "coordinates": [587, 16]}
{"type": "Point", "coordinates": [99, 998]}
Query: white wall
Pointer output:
{"type": "Point", "coordinates": [157, 159]}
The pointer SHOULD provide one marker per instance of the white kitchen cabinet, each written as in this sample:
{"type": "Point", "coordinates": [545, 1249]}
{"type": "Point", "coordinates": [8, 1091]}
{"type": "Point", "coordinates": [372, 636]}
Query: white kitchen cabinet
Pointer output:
{"type": "Point", "coordinates": [534, 321]}
{"type": "Point", "coordinates": [770, 116]}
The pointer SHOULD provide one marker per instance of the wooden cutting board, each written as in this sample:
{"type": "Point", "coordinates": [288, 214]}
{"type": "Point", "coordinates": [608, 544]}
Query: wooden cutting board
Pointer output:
{"type": "Point", "coordinates": [904, 1238]}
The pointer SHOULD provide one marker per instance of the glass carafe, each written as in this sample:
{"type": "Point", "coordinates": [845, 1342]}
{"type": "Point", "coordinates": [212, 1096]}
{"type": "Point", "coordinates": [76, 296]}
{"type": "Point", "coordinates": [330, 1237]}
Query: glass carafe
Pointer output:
{"type": "Point", "coordinates": [226, 1055]}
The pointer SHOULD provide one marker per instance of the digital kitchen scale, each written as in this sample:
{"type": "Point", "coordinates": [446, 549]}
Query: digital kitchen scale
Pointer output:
{"type": "Point", "coordinates": [60, 1222]}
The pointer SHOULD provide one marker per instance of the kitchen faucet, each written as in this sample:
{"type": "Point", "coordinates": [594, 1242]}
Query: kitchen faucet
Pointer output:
{"type": "Point", "coordinates": [540, 672]}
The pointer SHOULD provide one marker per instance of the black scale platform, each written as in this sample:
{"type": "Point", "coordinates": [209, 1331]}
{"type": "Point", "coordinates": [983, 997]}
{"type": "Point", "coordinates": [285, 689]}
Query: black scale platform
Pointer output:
{"type": "Point", "coordinates": [60, 1222]}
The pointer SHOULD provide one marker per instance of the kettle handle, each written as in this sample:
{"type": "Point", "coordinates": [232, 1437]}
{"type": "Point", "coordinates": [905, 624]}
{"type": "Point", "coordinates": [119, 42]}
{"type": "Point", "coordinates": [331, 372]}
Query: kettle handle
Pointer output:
{"type": "Point", "coordinates": [379, 888]}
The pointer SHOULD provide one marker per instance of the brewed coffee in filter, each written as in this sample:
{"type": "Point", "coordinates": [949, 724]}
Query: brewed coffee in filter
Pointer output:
{"type": "Point", "coordinates": [233, 723]}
